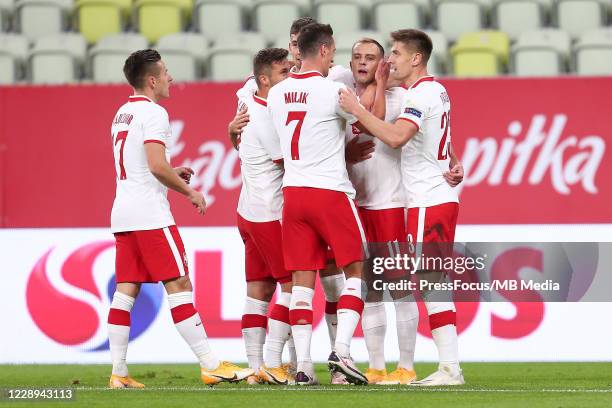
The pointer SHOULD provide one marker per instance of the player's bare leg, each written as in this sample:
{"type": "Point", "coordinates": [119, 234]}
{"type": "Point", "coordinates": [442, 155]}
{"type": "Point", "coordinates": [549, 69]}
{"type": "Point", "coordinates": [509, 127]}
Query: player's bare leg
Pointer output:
{"type": "Point", "coordinates": [119, 334]}
{"type": "Point", "coordinates": [300, 315]}
{"type": "Point", "coordinates": [279, 333]}
{"type": "Point", "coordinates": [332, 281]}
{"type": "Point", "coordinates": [188, 323]}
{"type": "Point", "coordinates": [442, 321]}
{"type": "Point", "coordinates": [255, 323]}
{"type": "Point", "coordinates": [350, 307]}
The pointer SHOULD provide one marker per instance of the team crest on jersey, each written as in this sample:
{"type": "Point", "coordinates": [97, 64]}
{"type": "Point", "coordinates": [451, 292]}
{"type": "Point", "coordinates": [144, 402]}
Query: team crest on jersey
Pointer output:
{"type": "Point", "coordinates": [413, 112]}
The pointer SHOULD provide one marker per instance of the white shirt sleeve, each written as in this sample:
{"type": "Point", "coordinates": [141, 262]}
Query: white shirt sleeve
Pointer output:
{"type": "Point", "coordinates": [415, 108]}
{"type": "Point", "coordinates": [350, 119]}
{"type": "Point", "coordinates": [156, 128]}
{"type": "Point", "coordinates": [341, 74]}
{"type": "Point", "coordinates": [270, 140]}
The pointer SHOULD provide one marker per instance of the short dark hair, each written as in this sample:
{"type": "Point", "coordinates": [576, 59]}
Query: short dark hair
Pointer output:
{"type": "Point", "coordinates": [265, 58]}
{"type": "Point", "coordinates": [139, 64]}
{"type": "Point", "coordinates": [312, 36]}
{"type": "Point", "coordinates": [297, 24]}
{"type": "Point", "coordinates": [415, 39]}
{"type": "Point", "coordinates": [368, 40]}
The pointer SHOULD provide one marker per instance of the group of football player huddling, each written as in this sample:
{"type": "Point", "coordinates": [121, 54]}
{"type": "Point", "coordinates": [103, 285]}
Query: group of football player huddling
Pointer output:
{"type": "Point", "coordinates": [333, 160]}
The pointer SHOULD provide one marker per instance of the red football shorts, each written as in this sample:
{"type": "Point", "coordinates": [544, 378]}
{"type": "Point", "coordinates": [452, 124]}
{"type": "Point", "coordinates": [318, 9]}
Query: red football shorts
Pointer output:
{"type": "Point", "coordinates": [386, 225]}
{"type": "Point", "coordinates": [385, 230]}
{"type": "Point", "coordinates": [150, 255]}
{"type": "Point", "coordinates": [314, 218]}
{"type": "Point", "coordinates": [433, 225]}
{"type": "Point", "coordinates": [263, 251]}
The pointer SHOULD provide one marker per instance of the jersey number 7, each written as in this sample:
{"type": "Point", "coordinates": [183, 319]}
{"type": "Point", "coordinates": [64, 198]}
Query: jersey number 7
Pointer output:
{"type": "Point", "coordinates": [295, 139]}
{"type": "Point", "coordinates": [121, 137]}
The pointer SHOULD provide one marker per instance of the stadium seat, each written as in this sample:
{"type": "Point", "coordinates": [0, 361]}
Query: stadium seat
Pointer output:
{"type": "Point", "coordinates": [343, 15]}
{"type": "Point", "coordinates": [390, 15]}
{"type": "Point", "coordinates": [99, 18]}
{"type": "Point", "coordinates": [345, 41]}
{"type": "Point", "coordinates": [578, 16]}
{"type": "Point", "coordinates": [108, 56]}
{"type": "Point", "coordinates": [542, 52]}
{"type": "Point", "coordinates": [517, 16]}
{"type": "Point", "coordinates": [157, 18]}
{"type": "Point", "coordinates": [36, 18]}
{"type": "Point", "coordinates": [438, 63]}
{"type": "Point", "coordinates": [215, 18]}
{"type": "Point", "coordinates": [594, 53]}
{"type": "Point", "coordinates": [184, 55]}
{"type": "Point", "coordinates": [231, 58]}
{"type": "Point", "coordinates": [482, 53]}
{"type": "Point", "coordinates": [57, 59]}
{"type": "Point", "coordinates": [272, 17]}
{"type": "Point", "coordinates": [455, 17]}
{"type": "Point", "coordinates": [13, 52]}
{"type": "Point", "coordinates": [6, 11]}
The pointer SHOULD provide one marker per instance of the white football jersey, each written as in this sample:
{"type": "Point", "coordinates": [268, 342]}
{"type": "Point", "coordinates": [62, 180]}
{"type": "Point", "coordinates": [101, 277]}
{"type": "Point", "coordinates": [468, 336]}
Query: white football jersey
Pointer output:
{"type": "Point", "coordinates": [261, 196]}
{"type": "Point", "coordinates": [378, 180]}
{"type": "Point", "coordinates": [141, 201]}
{"type": "Point", "coordinates": [425, 156]}
{"type": "Point", "coordinates": [311, 127]}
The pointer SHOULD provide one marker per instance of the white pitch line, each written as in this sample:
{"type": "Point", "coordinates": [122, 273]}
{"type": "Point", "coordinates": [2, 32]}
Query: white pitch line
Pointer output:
{"type": "Point", "coordinates": [347, 389]}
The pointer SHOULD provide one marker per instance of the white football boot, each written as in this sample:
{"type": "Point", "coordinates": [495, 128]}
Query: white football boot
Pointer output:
{"type": "Point", "coordinates": [444, 376]}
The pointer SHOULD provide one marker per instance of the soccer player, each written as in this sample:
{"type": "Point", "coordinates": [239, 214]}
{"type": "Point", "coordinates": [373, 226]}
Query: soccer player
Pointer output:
{"type": "Point", "coordinates": [319, 208]}
{"type": "Point", "coordinates": [332, 279]}
{"type": "Point", "coordinates": [259, 213]}
{"type": "Point", "coordinates": [149, 246]}
{"type": "Point", "coordinates": [380, 196]}
{"type": "Point", "coordinates": [423, 132]}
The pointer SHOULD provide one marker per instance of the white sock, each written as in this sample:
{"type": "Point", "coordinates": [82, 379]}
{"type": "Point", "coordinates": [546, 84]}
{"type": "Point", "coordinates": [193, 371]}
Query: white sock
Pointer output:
{"type": "Point", "coordinates": [374, 324]}
{"type": "Point", "coordinates": [254, 323]}
{"type": "Point", "coordinates": [407, 321]}
{"type": "Point", "coordinates": [279, 331]}
{"type": "Point", "coordinates": [332, 286]}
{"type": "Point", "coordinates": [291, 349]}
{"type": "Point", "coordinates": [350, 306]}
{"type": "Point", "coordinates": [119, 334]}
{"type": "Point", "coordinates": [189, 325]}
{"type": "Point", "coordinates": [445, 337]}
{"type": "Point", "coordinates": [300, 312]}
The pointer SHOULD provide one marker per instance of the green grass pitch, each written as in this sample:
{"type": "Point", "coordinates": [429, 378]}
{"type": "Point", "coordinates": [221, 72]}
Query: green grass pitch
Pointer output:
{"type": "Point", "coordinates": [533, 385]}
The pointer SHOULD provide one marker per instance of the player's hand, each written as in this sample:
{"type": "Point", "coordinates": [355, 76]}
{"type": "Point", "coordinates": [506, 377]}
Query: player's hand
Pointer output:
{"type": "Point", "coordinates": [198, 201]}
{"type": "Point", "coordinates": [185, 173]}
{"type": "Point", "coordinates": [358, 151]}
{"type": "Point", "coordinates": [236, 125]}
{"type": "Point", "coordinates": [382, 72]}
{"type": "Point", "coordinates": [348, 101]}
{"type": "Point", "coordinates": [455, 175]}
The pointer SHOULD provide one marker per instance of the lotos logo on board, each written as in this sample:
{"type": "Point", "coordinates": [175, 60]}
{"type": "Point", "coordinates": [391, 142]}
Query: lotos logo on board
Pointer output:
{"type": "Point", "coordinates": [69, 303]}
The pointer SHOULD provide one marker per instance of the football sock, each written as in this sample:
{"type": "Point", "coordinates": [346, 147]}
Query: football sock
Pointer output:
{"type": "Point", "coordinates": [279, 331]}
{"type": "Point", "coordinates": [254, 325]}
{"type": "Point", "coordinates": [374, 324]}
{"type": "Point", "coordinates": [442, 322]}
{"type": "Point", "coordinates": [350, 307]}
{"type": "Point", "coordinates": [332, 286]}
{"type": "Point", "coordinates": [300, 317]}
{"type": "Point", "coordinates": [119, 331]}
{"type": "Point", "coordinates": [407, 321]}
{"type": "Point", "coordinates": [189, 325]}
